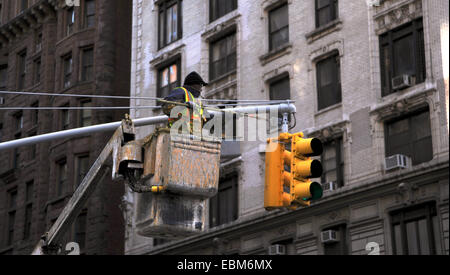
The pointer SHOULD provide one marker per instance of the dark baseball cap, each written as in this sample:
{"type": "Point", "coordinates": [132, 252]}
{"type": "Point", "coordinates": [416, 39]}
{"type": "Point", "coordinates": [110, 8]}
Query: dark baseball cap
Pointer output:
{"type": "Point", "coordinates": [194, 79]}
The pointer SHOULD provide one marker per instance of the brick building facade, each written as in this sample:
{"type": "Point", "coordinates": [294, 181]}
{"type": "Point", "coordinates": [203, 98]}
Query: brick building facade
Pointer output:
{"type": "Point", "coordinates": [370, 79]}
{"type": "Point", "coordinates": [47, 46]}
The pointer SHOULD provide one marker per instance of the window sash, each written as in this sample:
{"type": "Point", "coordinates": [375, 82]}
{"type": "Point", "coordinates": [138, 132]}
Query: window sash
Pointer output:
{"type": "Point", "coordinates": [329, 82]}
{"type": "Point", "coordinates": [223, 207]}
{"type": "Point", "coordinates": [86, 114]}
{"type": "Point", "coordinates": [169, 78]}
{"type": "Point", "coordinates": [390, 63]}
{"type": "Point", "coordinates": [329, 9]}
{"type": "Point", "coordinates": [62, 178]}
{"type": "Point", "coordinates": [223, 56]}
{"type": "Point", "coordinates": [278, 33]}
{"type": "Point", "coordinates": [68, 63]}
{"type": "Point", "coordinates": [219, 8]}
{"type": "Point", "coordinates": [70, 20]}
{"type": "Point", "coordinates": [22, 70]}
{"type": "Point", "coordinates": [170, 22]}
{"type": "Point", "coordinates": [89, 13]}
{"type": "Point", "coordinates": [87, 67]}
{"type": "Point", "coordinates": [413, 232]}
{"type": "Point", "coordinates": [408, 142]}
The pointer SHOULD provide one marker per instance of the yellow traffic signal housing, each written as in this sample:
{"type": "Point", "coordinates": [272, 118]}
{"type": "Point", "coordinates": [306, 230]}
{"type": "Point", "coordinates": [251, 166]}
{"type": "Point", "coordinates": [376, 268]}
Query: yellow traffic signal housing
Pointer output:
{"type": "Point", "coordinates": [292, 171]}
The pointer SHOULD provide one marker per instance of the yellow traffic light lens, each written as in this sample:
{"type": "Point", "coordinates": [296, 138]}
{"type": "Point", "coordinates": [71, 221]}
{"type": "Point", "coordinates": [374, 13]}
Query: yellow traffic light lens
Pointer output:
{"type": "Point", "coordinates": [317, 148]}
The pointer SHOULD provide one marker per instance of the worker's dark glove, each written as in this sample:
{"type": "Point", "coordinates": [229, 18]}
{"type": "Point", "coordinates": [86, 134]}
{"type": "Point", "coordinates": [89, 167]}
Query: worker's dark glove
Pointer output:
{"type": "Point", "coordinates": [190, 105]}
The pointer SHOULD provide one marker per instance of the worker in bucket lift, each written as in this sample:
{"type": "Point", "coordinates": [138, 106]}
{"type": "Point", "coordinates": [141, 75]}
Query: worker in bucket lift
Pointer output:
{"type": "Point", "coordinates": [189, 93]}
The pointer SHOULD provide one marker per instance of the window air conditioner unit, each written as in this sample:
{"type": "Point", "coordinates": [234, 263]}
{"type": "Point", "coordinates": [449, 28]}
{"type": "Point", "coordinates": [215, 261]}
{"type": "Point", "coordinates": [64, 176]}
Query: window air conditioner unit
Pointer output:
{"type": "Point", "coordinates": [277, 249]}
{"type": "Point", "coordinates": [402, 82]}
{"type": "Point", "coordinates": [330, 186]}
{"type": "Point", "coordinates": [396, 162]}
{"type": "Point", "coordinates": [2, 100]}
{"type": "Point", "coordinates": [329, 236]}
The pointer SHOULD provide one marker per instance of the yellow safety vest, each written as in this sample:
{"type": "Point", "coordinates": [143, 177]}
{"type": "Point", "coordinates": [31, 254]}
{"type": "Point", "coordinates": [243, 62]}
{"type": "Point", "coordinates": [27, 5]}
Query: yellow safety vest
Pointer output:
{"type": "Point", "coordinates": [198, 110]}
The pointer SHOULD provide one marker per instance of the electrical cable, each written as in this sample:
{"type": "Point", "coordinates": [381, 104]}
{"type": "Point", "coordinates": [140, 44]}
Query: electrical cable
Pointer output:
{"type": "Point", "coordinates": [77, 108]}
{"type": "Point", "coordinates": [134, 98]}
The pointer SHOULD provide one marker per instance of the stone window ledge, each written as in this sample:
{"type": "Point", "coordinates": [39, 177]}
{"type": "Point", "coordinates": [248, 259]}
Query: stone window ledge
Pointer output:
{"type": "Point", "coordinates": [276, 53]}
{"type": "Point", "coordinates": [322, 31]}
{"type": "Point", "coordinates": [327, 109]}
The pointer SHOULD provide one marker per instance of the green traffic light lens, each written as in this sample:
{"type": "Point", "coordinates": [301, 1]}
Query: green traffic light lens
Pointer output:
{"type": "Point", "coordinates": [316, 191]}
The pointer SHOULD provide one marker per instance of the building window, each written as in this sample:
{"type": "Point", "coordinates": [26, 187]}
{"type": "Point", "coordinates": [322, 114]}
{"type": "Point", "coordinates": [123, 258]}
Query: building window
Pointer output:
{"type": "Point", "coordinates": [28, 210]}
{"type": "Point", "coordinates": [329, 82]}
{"type": "Point", "coordinates": [278, 27]}
{"type": "Point", "coordinates": [62, 177]}
{"type": "Point", "coordinates": [333, 162]}
{"type": "Point", "coordinates": [18, 121]}
{"type": "Point", "coordinates": [89, 13]}
{"type": "Point", "coordinates": [3, 76]}
{"type": "Point", "coordinates": [22, 72]}
{"type": "Point", "coordinates": [402, 52]}
{"type": "Point", "coordinates": [82, 168]}
{"type": "Point", "coordinates": [67, 77]}
{"type": "Point", "coordinates": [326, 11]}
{"type": "Point", "coordinates": [170, 22]}
{"type": "Point", "coordinates": [224, 206]}
{"type": "Point", "coordinates": [80, 231]}
{"type": "Point", "coordinates": [218, 8]}
{"type": "Point", "coordinates": [410, 136]}
{"type": "Point", "coordinates": [280, 89]}
{"type": "Point", "coordinates": [38, 42]}
{"type": "Point", "coordinates": [37, 71]}
{"type": "Point", "coordinates": [65, 118]}
{"type": "Point", "coordinates": [12, 205]}
{"type": "Point", "coordinates": [33, 147]}
{"type": "Point", "coordinates": [23, 5]}
{"type": "Point", "coordinates": [87, 64]}
{"type": "Point", "coordinates": [223, 56]}
{"type": "Point", "coordinates": [415, 230]}
{"type": "Point", "coordinates": [70, 20]}
{"type": "Point", "coordinates": [1, 132]}
{"type": "Point", "coordinates": [35, 113]}
{"type": "Point", "coordinates": [168, 79]}
{"type": "Point", "coordinates": [16, 152]}
{"type": "Point", "coordinates": [339, 247]}
{"type": "Point", "coordinates": [86, 114]}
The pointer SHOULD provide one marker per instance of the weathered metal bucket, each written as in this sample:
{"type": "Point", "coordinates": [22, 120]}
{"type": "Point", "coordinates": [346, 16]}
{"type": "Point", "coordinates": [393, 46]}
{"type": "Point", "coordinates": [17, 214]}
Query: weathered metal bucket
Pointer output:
{"type": "Point", "coordinates": [169, 216]}
{"type": "Point", "coordinates": [183, 165]}
{"type": "Point", "coordinates": [187, 170]}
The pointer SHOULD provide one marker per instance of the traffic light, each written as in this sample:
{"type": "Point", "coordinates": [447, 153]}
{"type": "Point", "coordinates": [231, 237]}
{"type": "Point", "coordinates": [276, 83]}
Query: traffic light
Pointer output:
{"type": "Point", "coordinates": [288, 172]}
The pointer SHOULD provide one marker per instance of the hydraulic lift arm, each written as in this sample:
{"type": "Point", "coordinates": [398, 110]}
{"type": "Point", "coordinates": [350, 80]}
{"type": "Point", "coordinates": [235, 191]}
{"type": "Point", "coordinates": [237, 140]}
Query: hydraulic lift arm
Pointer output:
{"type": "Point", "coordinates": [49, 244]}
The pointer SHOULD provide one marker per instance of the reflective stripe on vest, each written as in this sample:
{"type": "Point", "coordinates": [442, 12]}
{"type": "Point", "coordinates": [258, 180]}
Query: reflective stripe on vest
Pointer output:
{"type": "Point", "coordinates": [198, 112]}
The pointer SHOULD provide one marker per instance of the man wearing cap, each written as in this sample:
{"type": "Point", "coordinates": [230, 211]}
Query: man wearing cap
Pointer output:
{"type": "Point", "coordinates": [189, 93]}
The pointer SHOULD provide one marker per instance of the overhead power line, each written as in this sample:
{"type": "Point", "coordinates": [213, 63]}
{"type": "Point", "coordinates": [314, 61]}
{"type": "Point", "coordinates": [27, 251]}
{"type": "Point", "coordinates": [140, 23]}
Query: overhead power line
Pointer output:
{"type": "Point", "coordinates": [224, 101]}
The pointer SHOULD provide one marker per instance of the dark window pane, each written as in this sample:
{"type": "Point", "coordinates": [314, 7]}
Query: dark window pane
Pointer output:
{"type": "Point", "coordinates": [80, 231]}
{"type": "Point", "coordinates": [398, 240]}
{"type": "Point", "coordinates": [86, 114]}
{"type": "Point", "coordinates": [223, 207]}
{"type": "Point", "coordinates": [89, 13]}
{"type": "Point", "coordinates": [410, 136]}
{"type": "Point", "coordinates": [328, 82]}
{"type": "Point", "coordinates": [402, 52]}
{"type": "Point", "coordinates": [279, 27]}
{"type": "Point", "coordinates": [280, 90]}
{"type": "Point", "coordinates": [220, 8]}
{"type": "Point", "coordinates": [411, 233]}
{"type": "Point", "coordinates": [223, 56]}
{"type": "Point", "coordinates": [87, 73]}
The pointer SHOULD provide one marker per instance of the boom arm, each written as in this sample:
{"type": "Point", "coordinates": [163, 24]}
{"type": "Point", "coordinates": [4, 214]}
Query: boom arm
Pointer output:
{"type": "Point", "coordinates": [49, 244]}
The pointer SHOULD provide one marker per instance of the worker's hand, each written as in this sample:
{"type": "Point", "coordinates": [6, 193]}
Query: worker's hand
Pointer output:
{"type": "Point", "coordinates": [191, 105]}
